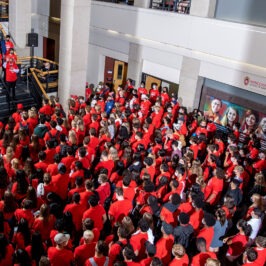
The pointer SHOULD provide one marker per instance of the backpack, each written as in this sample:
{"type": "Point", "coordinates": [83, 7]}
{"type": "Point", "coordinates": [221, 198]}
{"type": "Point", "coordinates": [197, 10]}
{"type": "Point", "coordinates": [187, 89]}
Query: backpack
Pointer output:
{"type": "Point", "coordinates": [120, 257]}
{"type": "Point", "coordinates": [25, 127]}
{"type": "Point", "coordinates": [53, 139]}
{"type": "Point", "coordinates": [93, 262]}
{"type": "Point", "coordinates": [63, 150]}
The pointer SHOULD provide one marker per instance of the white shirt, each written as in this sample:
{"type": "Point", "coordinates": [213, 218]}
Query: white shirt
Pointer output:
{"type": "Point", "coordinates": [255, 224]}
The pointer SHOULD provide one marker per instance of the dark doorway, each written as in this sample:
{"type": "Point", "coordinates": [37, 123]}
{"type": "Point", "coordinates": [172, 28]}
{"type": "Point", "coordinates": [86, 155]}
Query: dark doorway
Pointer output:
{"type": "Point", "coordinates": [49, 48]}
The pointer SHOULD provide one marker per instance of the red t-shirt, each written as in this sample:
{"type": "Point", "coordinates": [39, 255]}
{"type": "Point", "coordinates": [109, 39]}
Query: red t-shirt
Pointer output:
{"type": "Point", "coordinates": [98, 261]}
{"type": "Point", "coordinates": [77, 211]}
{"type": "Point", "coordinates": [138, 241]}
{"type": "Point", "coordinates": [201, 258]}
{"type": "Point", "coordinates": [96, 214]}
{"type": "Point", "coordinates": [261, 259]}
{"type": "Point", "coordinates": [207, 233]}
{"type": "Point", "coordinates": [25, 214]}
{"type": "Point", "coordinates": [7, 260]}
{"type": "Point", "coordinates": [180, 261]}
{"type": "Point", "coordinates": [60, 257]}
{"type": "Point", "coordinates": [163, 246]}
{"type": "Point", "coordinates": [120, 209]}
{"type": "Point", "coordinates": [238, 245]}
{"type": "Point", "coordinates": [83, 252]}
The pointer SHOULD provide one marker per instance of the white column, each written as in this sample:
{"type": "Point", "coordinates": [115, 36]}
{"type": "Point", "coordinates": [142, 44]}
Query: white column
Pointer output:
{"type": "Point", "coordinates": [20, 24]}
{"type": "Point", "coordinates": [135, 63]}
{"type": "Point", "coordinates": [74, 45]}
{"type": "Point", "coordinates": [190, 84]}
{"type": "Point", "coordinates": [203, 8]}
{"type": "Point", "coordinates": [142, 3]}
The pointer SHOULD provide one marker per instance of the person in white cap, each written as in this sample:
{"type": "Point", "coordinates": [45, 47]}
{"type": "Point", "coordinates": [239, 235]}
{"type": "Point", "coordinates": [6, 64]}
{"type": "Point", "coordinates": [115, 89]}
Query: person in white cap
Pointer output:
{"type": "Point", "coordinates": [86, 250]}
{"type": "Point", "coordinates": [59, 255]}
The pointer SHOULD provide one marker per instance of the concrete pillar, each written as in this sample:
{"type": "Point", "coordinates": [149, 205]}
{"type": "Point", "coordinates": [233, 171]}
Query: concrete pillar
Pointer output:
{"type": "Point", "coordinates": [74, 42]}
{"type": "Point", "coordinates": [190, 84]}
{"type": "Point", "coordinates": [20, 24]}
{"type": "Point", "coordinates": [203, 8]}
{"type": "Point", "coordinates": [135, 63]}
{"type": "Point", "coordinates": [142, 3]}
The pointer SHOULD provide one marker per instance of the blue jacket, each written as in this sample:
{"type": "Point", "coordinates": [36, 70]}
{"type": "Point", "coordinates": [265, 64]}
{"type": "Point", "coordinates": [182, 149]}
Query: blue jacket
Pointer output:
{"type": "Point", "coordinates": [109, 106]}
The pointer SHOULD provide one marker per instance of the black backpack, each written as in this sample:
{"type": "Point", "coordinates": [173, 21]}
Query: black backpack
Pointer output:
{"type": "Point", "coordinates": [25, 127]}
{"type": "Point", "coordinates": [53, 139]}
{"type": "Point", "coordinates": [120, 257]}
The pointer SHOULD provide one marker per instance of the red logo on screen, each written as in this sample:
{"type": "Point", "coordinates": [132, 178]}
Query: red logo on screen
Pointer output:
{"type": "Point", "coordinates": [246, 81]}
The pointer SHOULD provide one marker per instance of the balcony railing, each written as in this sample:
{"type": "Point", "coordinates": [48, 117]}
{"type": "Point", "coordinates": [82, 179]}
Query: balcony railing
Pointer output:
{"type": "Point", "coordinates": [171, 5]}
{"type": "Point", "coordinates": [4, 10]}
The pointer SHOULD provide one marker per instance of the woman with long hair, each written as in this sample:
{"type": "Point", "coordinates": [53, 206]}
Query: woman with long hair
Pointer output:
{"type": "Point", "coordinates": [237, 243]}
{"type": "Point", "coordinates": [32, 195]}
{"type": "Point", "coordinates": [6, 251]}
{"type": "Point", "coordinates": [35, 147]}
{"type": "Point", "coordinates": [44, 223]}
{"type": "Point", "coordinates": [259, 186]}
{"type": "Point", "coordinates": [22, 235]}
{"type": "Point", "coordinates": [7, 160]}
{"type": "Point", "coordinates": [5, 141]}
{"type": "Point", "coordinates": [219, 230]}
{"type": "Point", "coordinates": [8, 205]}
{"type": "Point", "coordinates": [230, 117]}
{"type": "Point", "coordinates": [4, 226]}
{"type": "Point", "coordinates": [36, 249]}
{"type": "Point", "coordinates": [20, 187]}
{"type": "Point", "coordinates": [250, 122]}
{"type": "Point", "coordinates": [257, 202]}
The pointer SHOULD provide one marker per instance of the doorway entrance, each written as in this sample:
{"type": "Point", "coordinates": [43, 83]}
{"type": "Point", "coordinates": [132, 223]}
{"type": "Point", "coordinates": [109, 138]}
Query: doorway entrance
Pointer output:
{"type": "Point", "coordinates": [49, 48]}
{"type": "Point", "coordinates": [115, 72]}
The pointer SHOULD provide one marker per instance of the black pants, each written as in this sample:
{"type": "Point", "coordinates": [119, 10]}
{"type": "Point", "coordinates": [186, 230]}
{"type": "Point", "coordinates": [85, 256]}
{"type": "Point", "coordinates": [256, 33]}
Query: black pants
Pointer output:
{"type": "Point", "coordinates": [11, 87]}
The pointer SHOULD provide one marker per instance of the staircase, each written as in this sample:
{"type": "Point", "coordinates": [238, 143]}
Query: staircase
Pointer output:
{"type": "Point", "coordinates": [23, 95]}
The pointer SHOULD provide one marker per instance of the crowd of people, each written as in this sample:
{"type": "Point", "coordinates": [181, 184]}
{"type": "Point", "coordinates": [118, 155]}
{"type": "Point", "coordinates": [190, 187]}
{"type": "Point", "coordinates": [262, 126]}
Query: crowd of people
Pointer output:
{"type": "Point", "coordinates": [128, 177]}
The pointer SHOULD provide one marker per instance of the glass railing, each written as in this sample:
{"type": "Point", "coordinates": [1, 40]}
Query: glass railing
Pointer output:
{"type": "Point", "coordinates": [171, 5]}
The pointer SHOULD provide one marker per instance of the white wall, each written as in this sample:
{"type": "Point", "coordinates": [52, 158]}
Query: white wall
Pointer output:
{"type": "Point", "coordinates": [226, 50]}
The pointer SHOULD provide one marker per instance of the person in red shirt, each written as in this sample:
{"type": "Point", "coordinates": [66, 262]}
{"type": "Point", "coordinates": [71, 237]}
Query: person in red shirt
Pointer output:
{"type": "Point", "coordinates": [59, 255]}
{"type": "Point", "coordinates": [60, 182]}
{"type": "Point", "coordinates": [100, 257]}
{"type": "Point", "coordinates": [139, 238]}
{"type": "Point", "coordinates": [46, 109]}
{"type": "Point", "coordinates": [120, 208]}
{"type": "Point", "coordinates": [194, 146]}
{"type": "Point", "coordinates": [25, 212]}
{"type": "Point", "coordinates": [214, 187]}
{"type": "Point", "coordinates": [165, 243]}
{"type": "Point", "coordinates": [207, 232]}
{"type": "Point", "coordinates": [44, 223]}
{"type": "Point", "coordinates": [104, 188]}
{"type": "Point", "coordinates": [85, 250]}
{"type": "Point", "coordinates": [237, 243]}
{"type": "Point", "coordinates": [11, 76]}
{"type": "Point", "coordinates": [201, 258]}
{"type": "Point", "coordinates": [249, 257]}
{"type": "Point", "coordinates": [8, 44]}
{"type": "Point", "coordinates": [6, 253]}
{"type": "Point", "coordinates": [142, 89]}
{"type": "Point", "coordinates": [180, 256]}
{"type": "Point", "coordinates": [129, 256]}
{"type": "Point", "coordinates": [96, 212]}
{"type": "Point", "coordinates": [260, 164]}
{"type": "Point", "coordinates": [77, 210]}
{"type": "Point", "coordinates": [260, 242]}
{"type": "Point", "coordinates": [115, 247]}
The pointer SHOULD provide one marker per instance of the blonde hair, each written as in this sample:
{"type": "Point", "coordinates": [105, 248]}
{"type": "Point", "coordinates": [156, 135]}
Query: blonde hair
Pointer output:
{"type": "Point", "coordinates": [212, 262]}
